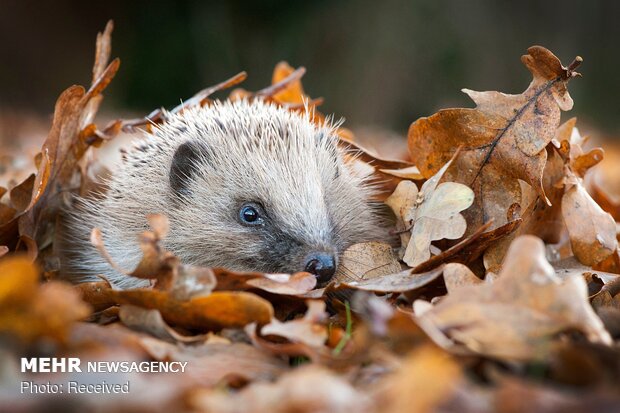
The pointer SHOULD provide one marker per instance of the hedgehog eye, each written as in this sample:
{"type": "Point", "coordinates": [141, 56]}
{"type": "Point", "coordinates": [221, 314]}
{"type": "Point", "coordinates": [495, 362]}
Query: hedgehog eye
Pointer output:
{"type": "Point", "coordinates": [250, 214]}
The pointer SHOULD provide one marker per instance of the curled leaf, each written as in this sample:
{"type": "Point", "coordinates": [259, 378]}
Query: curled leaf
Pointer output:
{"type": "Point", "coordinates": [592, 231]}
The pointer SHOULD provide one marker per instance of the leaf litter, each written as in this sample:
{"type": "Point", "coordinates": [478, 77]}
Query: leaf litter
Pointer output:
{"type": "Point", "coordinates": [501, 288]}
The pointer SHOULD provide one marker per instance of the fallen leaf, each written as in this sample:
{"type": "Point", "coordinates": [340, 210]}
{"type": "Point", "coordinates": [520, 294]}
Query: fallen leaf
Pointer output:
{"type": "Point", "coordinates": [29, 311]}
{"type": "Point", "coordinates": [537, 217]}
{"type": "Point", "coordinates": [457, 276]}
{"type": "Point", "coordinates": [401, 281]}
{"type": "Point", "coordinates": [303, 390]}
{"type": "Point", "coordinates": [293, 92]}
{"type": "Point", "coordinates": [517, 315]}
{"type": "Point", "coordinates": [470, 248]}
{"type": "Point", "coordinates": [365, 261]}
{"type": "Point", "coordinates": [96, 294]}
{"type": "Point", "coordinates": [58, 160]}
{"type": "Point", "coordinates": [216, 363]}
{"type": "Point", "coordinates": [20, 194]}
{"type": "Point", "coordinates": [605, 181]}
{"type": "Point", "coordinates": [310, 329]}
{"type": "Point", "coordinates": [151, 321]}
{"type": "Point", "coordinates": [411, 173]}
{"type": "Point", "coordinates": [592, 231]}
{"type": "Point", "coordinates": [427, 378]}
{"type": "Point", "coordinates": [503, 139]}
{"type": "Point", "coordinates": [433, 213]}
{"type": "Point", "coordinates": [295, 284]}
{"type": "Point", "coordinates": [383, 172]}
{"type": "Point", "coordinates": [219, 310]}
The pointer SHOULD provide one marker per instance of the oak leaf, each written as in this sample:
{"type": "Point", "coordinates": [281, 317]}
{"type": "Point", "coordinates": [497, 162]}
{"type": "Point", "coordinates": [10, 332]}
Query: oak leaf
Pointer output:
{"type": "Point", "coordinates": [503, 138]}
{"type": "Point", "coordinates": [517, 315]}
{"type": "Point", "coordinates": [432, 213]}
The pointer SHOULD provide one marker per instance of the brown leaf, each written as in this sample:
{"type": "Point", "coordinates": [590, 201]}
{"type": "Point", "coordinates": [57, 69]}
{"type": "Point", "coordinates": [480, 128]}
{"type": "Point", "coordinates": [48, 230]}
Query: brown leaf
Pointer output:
{"type": "Point", "coordinates": [293, 92]}
{"type": "Point", "coordinates": [457, 276]}
{"type": "Point", "coordinates": [402, 281]}
{"type": "Point", "coordinates": [517, 315]}
{"type": "Point", "coordinates": [29, 311]}
{"type": "Point", "coordinates": [151, 321]}
{"type": "Point", "coordinates": [592, 231]}
{"type": "Point", "coordinates": [62, 149]}
{"type": "Point", "coordinates": [310, 329]}
{"type": "Point", "coordinates": [214, 363]}
{"type": "Point", "coordinates": [365, 261]}
{"type": "Point", "coordinates": [295, 284]}
{"type": "Point", "coordinates": [386, 173]}
{"type": "Point", "coordinates": [503, 139]}
{"type": "Point", "coordinates": [103, 50]}
{"type": "Point", "coordinates": [96, 294]}
{"type": "Point", "coordinates": [288, 284]}
{"type": "Point", "coordinates": [426, 379]}
{"type": "Point", "coordinates": [606, 182]}
{"type": "Point", "coordinates": [219, 310]}
{"type": "Point", "coordinates": [21, 194]}
{"type": "Point", "coordinates": [306, 389]}
{"type": "Point", "coordinates": [539, 219]}
{"type": "Point", "coordinates": [470, 248]}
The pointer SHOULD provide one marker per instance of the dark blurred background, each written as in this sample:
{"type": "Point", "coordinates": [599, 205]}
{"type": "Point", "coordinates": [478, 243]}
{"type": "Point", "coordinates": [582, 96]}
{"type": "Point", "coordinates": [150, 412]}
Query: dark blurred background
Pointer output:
{"type": "Point", "coordinates": [382, 63]}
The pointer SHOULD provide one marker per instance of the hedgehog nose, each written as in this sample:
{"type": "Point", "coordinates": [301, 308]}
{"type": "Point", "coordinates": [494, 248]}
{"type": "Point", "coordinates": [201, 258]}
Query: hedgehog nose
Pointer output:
{"type": "Point", "coordinates": [322, 265]}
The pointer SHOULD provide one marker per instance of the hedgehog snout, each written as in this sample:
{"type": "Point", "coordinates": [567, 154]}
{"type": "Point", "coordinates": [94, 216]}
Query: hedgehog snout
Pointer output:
{"type": "Point", "coordinates": [322, 265]}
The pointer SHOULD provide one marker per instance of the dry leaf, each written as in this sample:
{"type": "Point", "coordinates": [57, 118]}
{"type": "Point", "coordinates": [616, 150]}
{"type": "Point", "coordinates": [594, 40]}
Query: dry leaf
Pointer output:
{"type": "Point", "coordinates": [427, 379]}
{"type": "Point", "coordinates": [214, 363]}
{"type": "Point", "coordinates": [29, 311]}
{"type": "Point", "coordinates": [517, 315]}
{"type": "Point", "coordinates": [457, 276]}
{"type": "Point", "coordinates": [592, 231]}
{"type": "Point", "coordinates": [151, 321]}
{"type": "Point", "coordinates": [470, 248]}
{"type": "Point", "coordinates": [412, 173]}
{"type": "Point", "coordinates": [295, 284]}
{"type": "Point", "coordinates": [503, 138]}
{"type": "Point", "coordinates": [307, 389]}
{"type": "Point", "coordinates": [310, 329]}
{"type": "Point", "coordinates": [433, 213]}
{"type": "Point", "coordinates": [365, 261]}
{"type": "Point", "coordinates": [402, 281]}
{"type": "Point", "coordinates": [219, 310]}
{"type": "Point", "coordinates": [60, 153]}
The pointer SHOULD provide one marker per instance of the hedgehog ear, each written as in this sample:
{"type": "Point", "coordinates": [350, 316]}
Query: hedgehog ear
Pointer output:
{"type": "Point", "coordinates": [184, 167]}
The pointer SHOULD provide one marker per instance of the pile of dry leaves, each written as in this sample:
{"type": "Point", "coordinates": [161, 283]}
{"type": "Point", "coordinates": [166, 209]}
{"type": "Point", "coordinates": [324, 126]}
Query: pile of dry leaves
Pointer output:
{"type": "Point", "coordinates": [504, 296]}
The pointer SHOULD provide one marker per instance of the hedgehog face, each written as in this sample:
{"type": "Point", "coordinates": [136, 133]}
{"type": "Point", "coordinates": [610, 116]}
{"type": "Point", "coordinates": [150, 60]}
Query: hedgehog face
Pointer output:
{"type": "Point", "coordinates": [265, 193]}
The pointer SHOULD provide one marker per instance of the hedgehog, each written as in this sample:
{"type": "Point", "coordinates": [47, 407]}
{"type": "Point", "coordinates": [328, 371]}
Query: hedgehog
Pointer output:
{"type": "Point", "coordinates": [246, 185]}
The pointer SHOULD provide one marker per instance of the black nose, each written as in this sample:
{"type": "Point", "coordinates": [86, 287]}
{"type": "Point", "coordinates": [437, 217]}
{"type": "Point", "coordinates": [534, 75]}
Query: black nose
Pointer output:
{"type": "Point", "coordinates": [322, 265]}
